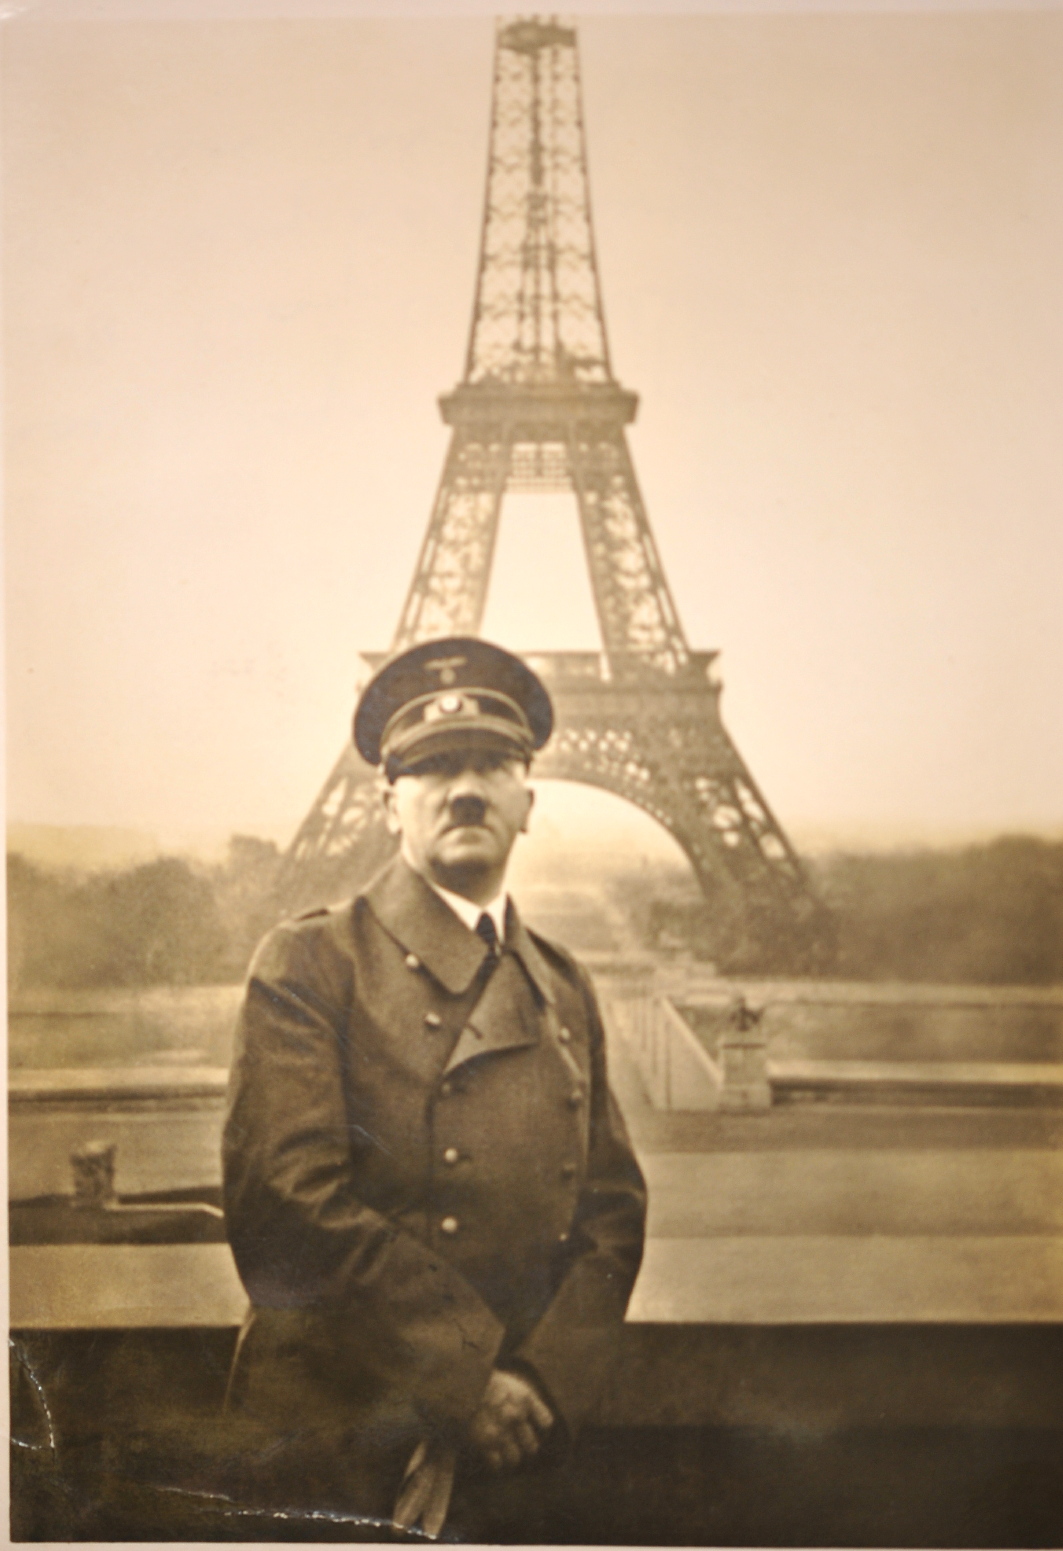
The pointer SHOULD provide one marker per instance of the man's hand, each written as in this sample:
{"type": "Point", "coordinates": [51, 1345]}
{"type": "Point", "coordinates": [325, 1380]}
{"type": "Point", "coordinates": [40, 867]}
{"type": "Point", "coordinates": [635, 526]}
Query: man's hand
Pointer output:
{"type": "Point", "coordinates": [510, 1418]}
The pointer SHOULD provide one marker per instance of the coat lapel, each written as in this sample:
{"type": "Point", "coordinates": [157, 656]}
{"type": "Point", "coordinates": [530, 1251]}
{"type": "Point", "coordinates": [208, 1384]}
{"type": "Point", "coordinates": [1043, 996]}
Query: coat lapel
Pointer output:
{"type": "Point", "coordinates": [507, 1013]}
{"type": "Point", "coordinates": [506, 1016]}
{"type": "Point", "coordinates": [414, 915]}
{"type": "Point", "coordinates": [520, 942]}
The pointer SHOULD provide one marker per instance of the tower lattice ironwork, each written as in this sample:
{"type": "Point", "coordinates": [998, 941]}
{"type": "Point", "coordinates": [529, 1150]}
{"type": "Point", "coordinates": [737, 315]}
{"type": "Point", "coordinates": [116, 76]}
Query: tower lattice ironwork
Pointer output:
{"type": "Point", "coordinates": [539, 408]}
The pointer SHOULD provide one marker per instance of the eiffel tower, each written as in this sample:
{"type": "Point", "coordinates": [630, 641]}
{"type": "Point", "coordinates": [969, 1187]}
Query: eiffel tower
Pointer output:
{"type": "Point", "coordinates": [539, 409]}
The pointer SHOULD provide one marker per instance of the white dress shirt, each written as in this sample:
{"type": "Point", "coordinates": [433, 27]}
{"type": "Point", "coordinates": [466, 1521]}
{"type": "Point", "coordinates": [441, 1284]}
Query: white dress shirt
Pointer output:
{"type": "Point", "coordinates": [469, 912]}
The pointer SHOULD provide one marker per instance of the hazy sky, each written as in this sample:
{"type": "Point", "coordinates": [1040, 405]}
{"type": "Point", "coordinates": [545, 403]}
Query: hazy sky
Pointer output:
{"type": "Point", "coordinates": [240, 258]}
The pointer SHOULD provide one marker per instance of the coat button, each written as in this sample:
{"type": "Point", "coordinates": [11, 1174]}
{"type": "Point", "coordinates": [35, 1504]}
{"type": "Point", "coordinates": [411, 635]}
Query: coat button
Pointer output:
{"type": "Point", "coordinates": [445, 1090]}
{"type": "Point", "coordinates": [568, 1171]}
{"type": "Point", "coordinates": [433, 1020]}
{"type": "Point", "coordinates": [449, 1225]}
{"type": "Point", "coordinates": [565, 1035]}
{"type": "Point", "coordinates": [412, 961]}
{"type": "Point", "coordinates": [575, 1100]}
{"type": "Point", "coordinates": [451, 1155]}
{"type": "Point", "coordinates": [562, 1238]}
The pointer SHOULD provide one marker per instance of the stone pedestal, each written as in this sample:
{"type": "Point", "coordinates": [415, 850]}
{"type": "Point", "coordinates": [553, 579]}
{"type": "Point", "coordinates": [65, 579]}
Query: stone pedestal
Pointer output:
{"type": "Point", "coordinates": [743, 1062]}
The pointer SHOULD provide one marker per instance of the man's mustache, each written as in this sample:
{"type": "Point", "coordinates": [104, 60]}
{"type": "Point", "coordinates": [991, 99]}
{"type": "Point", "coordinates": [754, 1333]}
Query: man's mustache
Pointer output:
{"type": "Point", "coordinates": [466, 811]}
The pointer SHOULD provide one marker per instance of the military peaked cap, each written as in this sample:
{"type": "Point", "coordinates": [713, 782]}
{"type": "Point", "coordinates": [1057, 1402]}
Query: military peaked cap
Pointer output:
{"type": "Point", "coordinates": [454, 693]}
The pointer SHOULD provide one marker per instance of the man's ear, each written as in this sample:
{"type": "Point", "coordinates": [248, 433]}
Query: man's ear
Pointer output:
{"type": "Point", "coordinates": [387, 798]}
{"type": "Point", "coordinates": [528, 809]}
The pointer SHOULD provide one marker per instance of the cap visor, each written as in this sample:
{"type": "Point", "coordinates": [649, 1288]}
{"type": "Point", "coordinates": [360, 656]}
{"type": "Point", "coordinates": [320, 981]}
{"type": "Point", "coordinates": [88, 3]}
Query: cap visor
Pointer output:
{"type": "Point", "coordinates": [450, 740]}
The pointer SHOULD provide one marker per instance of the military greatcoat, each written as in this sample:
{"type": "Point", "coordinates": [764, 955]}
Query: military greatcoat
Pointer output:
{"type": "Point", "coordinates": [425, 1174]}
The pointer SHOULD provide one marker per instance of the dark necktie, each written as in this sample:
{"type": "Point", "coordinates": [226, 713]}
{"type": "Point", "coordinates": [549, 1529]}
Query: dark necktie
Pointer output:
{"type": "Point", "coordinates": [485, 928]}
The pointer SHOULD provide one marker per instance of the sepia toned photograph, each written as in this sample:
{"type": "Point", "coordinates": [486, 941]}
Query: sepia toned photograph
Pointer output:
{"type": "Point", "coordinates": [534, 772]}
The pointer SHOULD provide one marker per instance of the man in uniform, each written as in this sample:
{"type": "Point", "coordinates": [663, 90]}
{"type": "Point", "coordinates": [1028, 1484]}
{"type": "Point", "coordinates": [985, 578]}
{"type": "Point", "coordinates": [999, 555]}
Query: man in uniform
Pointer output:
{"type": "Point", "coordinates": [430, 1193]}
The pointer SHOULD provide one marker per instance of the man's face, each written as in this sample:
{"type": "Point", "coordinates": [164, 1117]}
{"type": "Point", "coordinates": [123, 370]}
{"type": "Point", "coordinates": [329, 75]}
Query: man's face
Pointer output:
{"type": "Point", "coordinates": [459, 814]}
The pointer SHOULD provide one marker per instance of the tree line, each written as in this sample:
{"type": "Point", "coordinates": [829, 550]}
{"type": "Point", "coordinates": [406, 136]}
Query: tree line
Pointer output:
{"type": "Point", "coordinates": [988, 914]}
{"type": "Point", "coordinates": [164, 922]}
